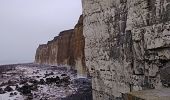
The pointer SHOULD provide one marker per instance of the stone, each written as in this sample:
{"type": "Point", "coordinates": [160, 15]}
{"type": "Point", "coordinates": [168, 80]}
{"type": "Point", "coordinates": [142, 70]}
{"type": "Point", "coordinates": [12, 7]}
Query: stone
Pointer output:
{"type": "Point", "coordinates": [25, 89]}
{"type": "Point", "coordinates": [10, 82]}
{"type": "Point", "coordinates": [30, 96]}
{"type": "Point", "coordinates": [49, 80]}
{"type": "Point", "coordinates": [42, 81]}
{"type": "Point", "coordinates": [2, 91]}
{"type": "Point", "coordinates": [17, 87]}
{"type": "Point", "coordinates": [11, 94]}
{"type": "Point", "coordinates": [43, 98]}
{"type": "Point", "coordinates": [8, 89]}
{"type": "Point", "coordinates": [84, 91]}
{"type": "Point", "coordinates": [33, 81]}
{"type": "Point", "coordinates": [48, 74]}
{"type": "Point", "coordinates": [63, 74]}
{"type": "Point", "coordinates": [34, 87]}
{"type": "Point", "coordinates": [83, 81]}
{"type": "Point", "coordinates": [65, 79]}
{"type": "Point", "coordinates": [15, 93]}
{"type": "Point", "coordinates": [52, 80]}
{"type": "Point", "coordinates": [23, 81]}
{"type": "Point", "coordinates": [57, 80]}
{"type": "Point", "coordinates": [3, 84]}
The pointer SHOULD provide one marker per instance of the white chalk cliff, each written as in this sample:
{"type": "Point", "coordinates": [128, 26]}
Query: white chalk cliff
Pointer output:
{"type": "Point", "coordinates": [127, 45]}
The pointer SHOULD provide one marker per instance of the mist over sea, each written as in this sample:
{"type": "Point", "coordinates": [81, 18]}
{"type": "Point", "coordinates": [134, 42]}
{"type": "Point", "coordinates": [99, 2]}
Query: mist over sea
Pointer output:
{"type": "Point", "coordinates": [6, 62]}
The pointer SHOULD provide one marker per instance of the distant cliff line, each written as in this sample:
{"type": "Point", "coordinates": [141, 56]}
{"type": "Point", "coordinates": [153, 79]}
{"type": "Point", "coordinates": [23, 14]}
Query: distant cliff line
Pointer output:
{"type": "Point", "coordinates": [65, 49]}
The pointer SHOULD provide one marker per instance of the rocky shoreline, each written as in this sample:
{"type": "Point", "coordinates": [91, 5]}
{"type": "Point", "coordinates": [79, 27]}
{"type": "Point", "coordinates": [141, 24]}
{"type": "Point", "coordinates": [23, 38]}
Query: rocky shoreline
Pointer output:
{"type": "Point", "coordinates": [42, 82]}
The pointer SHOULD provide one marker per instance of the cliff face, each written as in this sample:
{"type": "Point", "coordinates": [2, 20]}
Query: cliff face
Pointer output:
{"type": "Point", "coordinates": [127, 45]}
{"type": "Point", "coordinates": [65, 49]}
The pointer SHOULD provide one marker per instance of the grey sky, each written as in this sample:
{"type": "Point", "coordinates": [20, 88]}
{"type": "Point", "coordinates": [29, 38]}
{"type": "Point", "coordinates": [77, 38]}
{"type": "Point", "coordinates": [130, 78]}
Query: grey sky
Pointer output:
{"type": "Point", "coordinates": [24, 24]}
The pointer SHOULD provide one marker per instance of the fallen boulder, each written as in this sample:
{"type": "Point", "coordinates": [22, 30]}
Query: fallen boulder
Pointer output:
{"type": "Point", "coordinates": [25, 89]}
{"type": "Point", "coordinates": [2, 91]}
{"type": "Point", "coordinates": [8, 89]}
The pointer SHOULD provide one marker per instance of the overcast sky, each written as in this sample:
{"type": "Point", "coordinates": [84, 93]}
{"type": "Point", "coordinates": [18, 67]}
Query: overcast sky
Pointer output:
{"type": "Point", "coordinates": [24, 24]}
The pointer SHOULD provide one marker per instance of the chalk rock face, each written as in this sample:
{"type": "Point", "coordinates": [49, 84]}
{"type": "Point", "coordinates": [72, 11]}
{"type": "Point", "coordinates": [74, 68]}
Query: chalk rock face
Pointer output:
{"type": "Point", "coordinates": [77, 47]}
{"type": "Point", "coordinates": [65, 49]}
{"type": "Point", "coordinates": [127, 45]}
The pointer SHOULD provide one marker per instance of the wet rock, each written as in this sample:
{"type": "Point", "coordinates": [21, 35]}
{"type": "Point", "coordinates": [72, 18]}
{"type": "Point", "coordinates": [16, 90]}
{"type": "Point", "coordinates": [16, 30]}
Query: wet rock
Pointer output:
{"type": "Point", "coordinates": [34, 87]}
{"type": "Point", "coordinates": [3, 84]}
{"type": "Point", "coordinates": [84, 84]}
{"type": "Point", "coordinates": [23, 81]}
{"type": "Point", "coordinates": [57, 80]}
{"type": "Point", "coordinates": [33, 81]}
{"type": "Point", "coordinates": [38, 76]}
{"type": "Point", "coordinates": [44, 98]}
{"type": "Point", "coordinates": [8, 89]}
{"type": "Point", "coordinates": [25, 89]}
{"type": "Point", "coordinates": [84, 91]}
{"type": "Point", "coordinates": [42, 81]}
{"type": "Point", "coordinates": [11, 94]}
{"type": "Point", "coordinates": [15, 93]}
{"type": "Point", "coordinates": [17, 87]}
{"type": "Point", "coordinates": [36, 95]}
{"type": "Point", "coordinates": [36, 72]}
{"type": "Point", "coordinates": [30, 96]}
{"type": "Point", "coordinates": [51, 73]}
{"type": "Point", "coordinates": [63, 74]}
{"type": "Point", "coordinates": [83, 81]}
{"type": "Point", "coordinates": [50, 80]}
{"type": "Point", "coordinates": [65, 80]}
{"type": "Point", "coordinates": [11, 82]}
{"type": "Point", "coordinates": [2, 91]}
{"type": "Point", "coordinates": [48, 74]}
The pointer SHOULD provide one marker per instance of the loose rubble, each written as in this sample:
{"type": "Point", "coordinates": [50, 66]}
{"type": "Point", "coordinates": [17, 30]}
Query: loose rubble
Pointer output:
{"type": "Point", "coordinates": [41, 82]}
